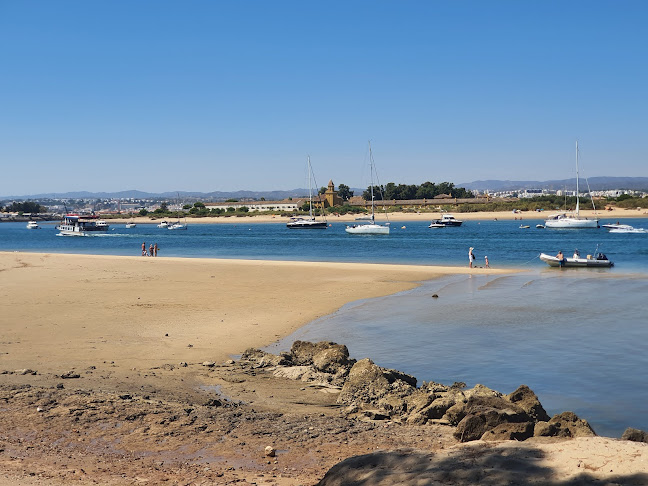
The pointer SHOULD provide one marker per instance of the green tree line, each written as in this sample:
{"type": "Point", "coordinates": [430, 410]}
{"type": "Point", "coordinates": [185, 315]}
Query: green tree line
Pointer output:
{"type": "Point", "coordinates": [427, 190]}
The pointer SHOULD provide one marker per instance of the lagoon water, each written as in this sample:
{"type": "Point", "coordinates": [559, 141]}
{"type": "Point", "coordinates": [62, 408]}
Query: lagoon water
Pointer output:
{"type": "Point", "coordinates": [577, 337]}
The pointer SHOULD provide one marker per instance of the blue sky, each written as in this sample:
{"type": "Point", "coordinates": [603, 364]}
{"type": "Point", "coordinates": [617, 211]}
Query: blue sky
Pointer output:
{"type": "Point", "coordinates": [218, 96]}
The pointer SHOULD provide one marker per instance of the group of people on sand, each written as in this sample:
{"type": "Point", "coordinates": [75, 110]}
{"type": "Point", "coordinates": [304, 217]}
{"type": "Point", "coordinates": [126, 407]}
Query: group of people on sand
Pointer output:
{"type": "Point", "coordinates": [152, 251]}
{"type": "Point", "coordinates": [471, 259]}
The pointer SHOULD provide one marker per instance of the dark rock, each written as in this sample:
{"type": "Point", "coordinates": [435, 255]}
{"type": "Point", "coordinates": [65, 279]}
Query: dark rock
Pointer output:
{"type": "Point", "coordinates": [569, 425]}
{"type": "Point", "coordinates": [483, 413]}
{"type": "Point", "coordinates": [635, 435]}
{"type": "Point", "coordinates": [528, 401]}
{"type": "Point", "coordinates": [375, 415]}
{"type": "Point", "coordinates": [262, 359]}
{"type": "Point", "coordinates": [510, 431]}
{"type": "Point", "coordinates": [545, 429]}
{"type": "Point", "coordinates": [213, 402]}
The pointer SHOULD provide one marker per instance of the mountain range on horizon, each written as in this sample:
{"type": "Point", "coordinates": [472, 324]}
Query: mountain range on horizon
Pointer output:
{"type": "Point", "coordinates": [595, 184]}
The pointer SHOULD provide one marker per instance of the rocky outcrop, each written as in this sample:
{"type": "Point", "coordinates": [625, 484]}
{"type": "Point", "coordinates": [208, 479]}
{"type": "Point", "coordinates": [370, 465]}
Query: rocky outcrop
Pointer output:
{"type": "Point", "coordinates": [371, 392]}
{"type": "Point", "coordinates": [635, 435]}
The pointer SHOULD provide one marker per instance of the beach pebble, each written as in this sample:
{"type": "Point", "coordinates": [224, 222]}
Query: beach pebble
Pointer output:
{"type": "Point", "coordinates": [25, 371]}
{"type": "Point", "coordinates": [270, 451]}
{"type": "Point", "coordinates": [209, 364]}
{"type": "Point", "coordinates": [70, 374]}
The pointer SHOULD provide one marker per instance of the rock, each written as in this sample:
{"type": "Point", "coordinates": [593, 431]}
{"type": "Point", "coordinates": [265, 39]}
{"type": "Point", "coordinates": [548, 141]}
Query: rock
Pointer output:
{"type": "Point", "coordinates": [70, 374]}
{"type": "Point", "coordinates": [270, 451]}
{"type": "Point", "coordinates": [569, 425]}
{"type": "Point", "coordinates": [635, 435]}
{"type": "Point", "coordinates": [545, 429]}
{"type": "Point", "coordinates": [213, 402]}
{"type": "Point", "coordinates": [375, 415]}
{"type": "Point", "coordinates": [331, 359]}
{"type": "Point", "coordinates": [291, 372]}
{"type": "Point", "coordinates": [528, 401]}
{"type": "Point", "coordinates": [510, 431]}
{"type": "Point", "coordinates": [484, 413]}
{"type": "Point", "coordinates": [365, 383]}
{"type": "Point", "coordinates": [25, 371]}
{"type": "Point", "coordinates": [209, 364]}
{"type": "Point", "coordinates": [263, 359]}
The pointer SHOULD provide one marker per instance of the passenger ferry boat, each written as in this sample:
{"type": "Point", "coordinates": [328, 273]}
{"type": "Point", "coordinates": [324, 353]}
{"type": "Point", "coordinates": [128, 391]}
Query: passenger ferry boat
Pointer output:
{"type": "Point", "coordinates": [75, 225]}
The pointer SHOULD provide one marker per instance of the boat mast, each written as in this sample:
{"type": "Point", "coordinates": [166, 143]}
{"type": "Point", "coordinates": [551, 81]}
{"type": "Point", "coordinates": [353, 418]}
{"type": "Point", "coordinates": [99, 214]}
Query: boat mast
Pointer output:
{"type": "Point", "coordinates": [371, 169]}
{"type": "Point", "coordinates": [310, 190]}
{"type": "Point", "coordinates": [577, 197]}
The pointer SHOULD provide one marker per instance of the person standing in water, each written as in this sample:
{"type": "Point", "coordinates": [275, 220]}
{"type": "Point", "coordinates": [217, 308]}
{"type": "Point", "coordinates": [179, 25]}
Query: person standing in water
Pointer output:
{"type": "Point", "coordinates": [144, 248]}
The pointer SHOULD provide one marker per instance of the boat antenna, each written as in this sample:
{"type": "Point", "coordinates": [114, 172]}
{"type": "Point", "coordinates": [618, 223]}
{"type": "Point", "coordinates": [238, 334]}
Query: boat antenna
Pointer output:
{"type": "Point", "coordinates": [590, 194]}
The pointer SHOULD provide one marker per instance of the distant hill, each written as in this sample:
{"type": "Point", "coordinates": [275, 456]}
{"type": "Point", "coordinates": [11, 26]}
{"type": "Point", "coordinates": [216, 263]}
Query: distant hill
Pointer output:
{"type": "Point", "coordinates": [595, 184]}
{"type": "Point", "coordinates": [204, 196]}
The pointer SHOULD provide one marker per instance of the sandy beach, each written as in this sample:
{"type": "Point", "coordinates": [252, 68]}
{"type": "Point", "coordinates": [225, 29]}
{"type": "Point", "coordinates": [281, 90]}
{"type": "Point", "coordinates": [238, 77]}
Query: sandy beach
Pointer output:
{"type": "Point", "coordinates": [615, 213]}
{"type": "Point", "coordinates": [144, 329]}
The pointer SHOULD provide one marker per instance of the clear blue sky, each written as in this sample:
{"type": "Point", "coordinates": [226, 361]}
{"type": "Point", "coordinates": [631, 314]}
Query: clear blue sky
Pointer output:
{"type": "Point", "coordinates": [218, 96]}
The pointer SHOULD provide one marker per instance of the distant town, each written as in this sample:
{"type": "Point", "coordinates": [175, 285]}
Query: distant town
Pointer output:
{"type": "Point", "coordinates": [426, 197]}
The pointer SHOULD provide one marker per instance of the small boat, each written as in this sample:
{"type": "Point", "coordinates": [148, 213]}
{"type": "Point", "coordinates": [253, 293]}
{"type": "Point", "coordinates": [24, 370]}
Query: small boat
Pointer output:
{"type": "Point", "coordinates": [298, 222]}
{"type": "Point", "coordinates": [614, 226]}
{"type": "Point", "coordinates": [177, 226]}
{"type": "Point", "coordinates": [524, 226]}
{"type": "Point", "coordinates": [130, 224]}
{"type": "Point", "coordinates": [163, 224]}
{"type": "Point", "coordinates": [540, 226]}
{"type": "Point", "coordinates": [628, 229]}
{"type": "Point", "coordinates": [370, 228]}
{"type": "Point", "coordinates": [32, 225]}
{"type": "Point", "coordinates": [599, 260]}
{"type": "Point", "coordinates": [446, 220]}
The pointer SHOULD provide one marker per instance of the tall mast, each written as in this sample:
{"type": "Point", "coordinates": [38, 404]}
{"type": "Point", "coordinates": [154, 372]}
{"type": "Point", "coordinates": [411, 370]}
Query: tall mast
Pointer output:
{"type": "Point", "coordinates": [577, 191]}
{"type": "Point", "coordinates": [310, 190]}
{"type": "Point", "coordinates": [371, 169]}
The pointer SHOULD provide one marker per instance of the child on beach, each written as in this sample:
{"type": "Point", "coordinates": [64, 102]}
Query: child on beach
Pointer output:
{"type": "Point", "coordinates": [486, 265]}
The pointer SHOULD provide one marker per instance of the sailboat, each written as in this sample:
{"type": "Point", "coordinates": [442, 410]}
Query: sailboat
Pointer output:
{"type": "Point", "coordinates": [572, 220]}
{"type": "Point", "coordinates": [177, 225]}
{"type": "Point", "coordinates": [370, 228]}
{"type": "Point", "coordinates": [299, 222]}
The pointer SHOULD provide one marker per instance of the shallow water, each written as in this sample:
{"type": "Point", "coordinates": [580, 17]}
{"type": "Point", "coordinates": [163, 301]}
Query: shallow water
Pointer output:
{"type": "Point", "coordinates": [578, 340]}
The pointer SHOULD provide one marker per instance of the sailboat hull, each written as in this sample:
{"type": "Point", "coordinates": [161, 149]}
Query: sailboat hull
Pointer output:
{"type": "Point", "coordinates": [305, 224]}
{"type": "Point", "coordinates": [367, 229]}
{"type": "Point", "coordinates": [571, 222]}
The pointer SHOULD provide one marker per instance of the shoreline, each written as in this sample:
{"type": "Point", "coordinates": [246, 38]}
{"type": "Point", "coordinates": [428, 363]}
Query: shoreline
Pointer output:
{"type": "Point", "coordinates": [115, 369]}
{"type": "Point", "coordinates": [617, 213]}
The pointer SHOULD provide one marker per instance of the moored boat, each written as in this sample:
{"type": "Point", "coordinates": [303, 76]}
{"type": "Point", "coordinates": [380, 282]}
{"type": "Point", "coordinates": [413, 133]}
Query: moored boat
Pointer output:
{"type": "Point", "coordinates": [446, 220]}
{"type": "Point", "coordinates": [32, 225]}
{"type": "Point", "coordinates": [567, 220]}
{"type": "Point", "coordinates": [599, 260]}
{"type": "Point", "coordinates": [300, 222]}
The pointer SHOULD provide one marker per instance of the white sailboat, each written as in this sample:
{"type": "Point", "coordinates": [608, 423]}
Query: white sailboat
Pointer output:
{"type": "Point", "coordinates": [370, 228]}
{"type": "Point", "coordinates": [572, 220]}
{"type": "Point", "coordinates": [299, 222]}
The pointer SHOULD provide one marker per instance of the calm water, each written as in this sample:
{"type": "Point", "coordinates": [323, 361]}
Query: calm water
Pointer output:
{"type": "Point", "coordinates": [577, 337]}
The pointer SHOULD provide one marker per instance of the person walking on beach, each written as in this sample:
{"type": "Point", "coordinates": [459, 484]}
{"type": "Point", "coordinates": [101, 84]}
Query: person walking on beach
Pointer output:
{"type": "Point", "coordinates": [144, 248]}
{"type": "Point", "coordinates": [151, 250]}
{"type": "Point", "coordinates": [471, 257]}
{"type": "Point", "coordinates": [155, 249]}
{"type": "Point", "coordinates": [486, 265]}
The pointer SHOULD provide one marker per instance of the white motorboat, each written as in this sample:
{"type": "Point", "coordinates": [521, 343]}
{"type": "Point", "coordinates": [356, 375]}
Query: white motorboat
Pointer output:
{"type": "Point", "coordinates": [628, 229]}
{"type": "Point", "coordinates": [617, 225]}
{"type": "Point", "coordinates": [524, 226]}
{"type": "Point", "coordinates": [32, 225]}
{"type": "Point", "coordinates": [177, 226]}
{"type": "Point", "coordinates": [299, 222]}
{"type": "Point", "coordinates": [163, 224]}
{"type": "Point", "coordinates": [540, 226]}
{"type": "Point", "coordinates": [370, 228]}
{"type": "Point", "coordinates": [599, 260]}
{"type": "Point", "coordinates": [572, 220]}
{"type": "Point", "coordinates": [130, 224]}
{"type": "Point", "coordinates": [446, 220]}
